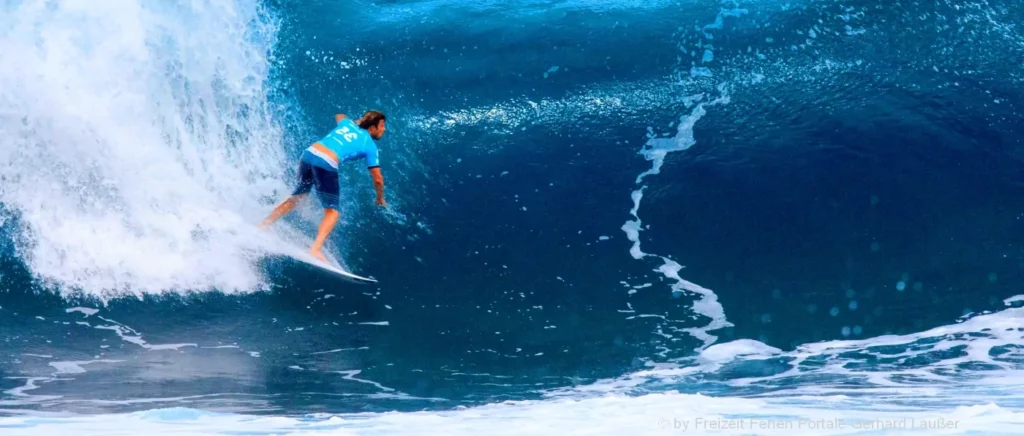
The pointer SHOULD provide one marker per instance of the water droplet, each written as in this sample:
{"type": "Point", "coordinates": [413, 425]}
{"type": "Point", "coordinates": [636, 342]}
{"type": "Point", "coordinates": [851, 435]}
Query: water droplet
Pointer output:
{"type": "Point", "coordinates": [766, 318]}
{"type": "Point", "coordinates": [992, 277]}
{"type": "Point", "coordinates": [850, 293]}
{"type": "Point", "coordinates": [846, 331]}
{"type": "Point", "coordinates": [900, 286]}
{"type": "Point", "coordinates": [853, 305]}
{"type": "Point", "coordinates": [834, 311]}
{"type": "Point", "coordinates": [857, 330]}
{"type": "Point", "coordinates": [875, 246]}
{"type": "Point", "coordinates": [812, 308]}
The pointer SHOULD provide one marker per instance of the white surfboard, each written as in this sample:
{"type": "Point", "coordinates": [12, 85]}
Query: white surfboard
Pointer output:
{"type": "Point", "coordinates": [304, 256]}
{"type": "Point", "coordinates": [282, 246]}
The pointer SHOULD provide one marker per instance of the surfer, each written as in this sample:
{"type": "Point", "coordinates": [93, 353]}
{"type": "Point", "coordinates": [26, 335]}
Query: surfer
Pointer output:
{"type": "Point", "coordinates": [350, 140]}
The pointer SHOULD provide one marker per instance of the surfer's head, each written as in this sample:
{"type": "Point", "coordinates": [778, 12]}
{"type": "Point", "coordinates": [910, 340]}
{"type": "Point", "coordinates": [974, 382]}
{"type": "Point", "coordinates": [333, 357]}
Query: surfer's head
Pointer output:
{"type": "Point", "coordinates": [373, 122]}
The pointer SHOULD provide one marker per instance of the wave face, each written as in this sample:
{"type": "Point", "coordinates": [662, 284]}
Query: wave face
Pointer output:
{"type": "Point", "coordinates": [598, 210]}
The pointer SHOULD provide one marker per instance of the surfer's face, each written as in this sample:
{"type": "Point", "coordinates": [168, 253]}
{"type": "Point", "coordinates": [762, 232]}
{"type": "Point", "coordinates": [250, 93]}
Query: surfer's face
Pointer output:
{"type": "Point", "coordinates": [376, 132]}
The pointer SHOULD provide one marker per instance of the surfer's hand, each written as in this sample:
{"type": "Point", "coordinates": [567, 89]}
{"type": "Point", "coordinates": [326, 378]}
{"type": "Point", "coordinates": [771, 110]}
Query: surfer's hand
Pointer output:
{"type": "Point", "coordinates": [381, 202]}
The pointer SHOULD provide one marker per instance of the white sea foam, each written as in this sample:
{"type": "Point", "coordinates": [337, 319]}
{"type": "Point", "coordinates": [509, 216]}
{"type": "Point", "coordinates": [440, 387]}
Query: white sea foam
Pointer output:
{"type": "Point", "coordinates": [136, 140]}
{"type": "Point", "coordinates": [87, 311]}
{"type": "Point", "coordinates": [510, 117]}
{"type": "Point", "coordinates": [973, 361]}
{"type": "Point", "coordinates": [664, 413]}
{"type": "Point", "coordinates": [76, 367]}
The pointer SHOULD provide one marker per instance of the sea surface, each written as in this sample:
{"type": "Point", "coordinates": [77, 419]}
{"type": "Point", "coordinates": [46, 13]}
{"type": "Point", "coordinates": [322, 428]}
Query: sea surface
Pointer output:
{"type": "Point", "coordinates": [605, 217]}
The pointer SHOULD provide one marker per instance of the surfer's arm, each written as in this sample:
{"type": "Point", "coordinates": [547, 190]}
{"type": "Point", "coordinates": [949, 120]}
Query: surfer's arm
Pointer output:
{"type": "Point", "coordinates": [378, 184]}
{"type": "Point", "coordinates": [339, 117]}
{"type": "Point", "coordinates": [373, 163]}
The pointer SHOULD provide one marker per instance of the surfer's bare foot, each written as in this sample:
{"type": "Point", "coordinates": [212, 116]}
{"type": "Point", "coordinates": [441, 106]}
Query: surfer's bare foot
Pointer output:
{"type": "Point", "coordinates": [318, 254]}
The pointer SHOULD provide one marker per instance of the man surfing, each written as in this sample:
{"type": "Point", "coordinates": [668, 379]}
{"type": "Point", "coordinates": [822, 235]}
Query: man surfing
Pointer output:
{"type": "Point", "coordinates": [349, 141]}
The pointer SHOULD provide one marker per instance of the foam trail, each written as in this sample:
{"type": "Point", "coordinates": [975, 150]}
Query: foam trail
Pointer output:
{"type": "Point", "coordinates": [351, 375]}
{"type": "Point", "coordinates": [136, 140]}
{"type": "Point", "coordinates": [655, 151]}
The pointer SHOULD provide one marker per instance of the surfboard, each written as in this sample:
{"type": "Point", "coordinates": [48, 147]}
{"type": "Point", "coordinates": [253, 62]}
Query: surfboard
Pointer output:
{"type": "Point", "coordinates": [305, 257]}
{"type": "Point", "coordinates": [281, 247]}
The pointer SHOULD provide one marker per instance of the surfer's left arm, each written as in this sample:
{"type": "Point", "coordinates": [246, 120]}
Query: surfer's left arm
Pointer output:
{"type": "Point", "coordinates": [373, 163]}
{"type": "Point", "coordinates": [378, 185]}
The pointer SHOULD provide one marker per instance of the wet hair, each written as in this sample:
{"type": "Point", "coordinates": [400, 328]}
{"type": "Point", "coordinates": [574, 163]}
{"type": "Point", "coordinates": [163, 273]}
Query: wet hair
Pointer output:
{"type": "Point", "coordinates": [370, 119]}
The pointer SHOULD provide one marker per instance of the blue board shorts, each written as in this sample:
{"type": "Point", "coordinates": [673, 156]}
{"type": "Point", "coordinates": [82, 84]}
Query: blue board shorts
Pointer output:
{"type": "Point", "coordinates": [326, 182]}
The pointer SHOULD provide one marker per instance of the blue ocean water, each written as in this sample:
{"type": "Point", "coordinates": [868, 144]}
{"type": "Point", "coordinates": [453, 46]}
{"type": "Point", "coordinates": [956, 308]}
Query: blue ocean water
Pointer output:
{"type": "Point", "coordinates": [737, 217]}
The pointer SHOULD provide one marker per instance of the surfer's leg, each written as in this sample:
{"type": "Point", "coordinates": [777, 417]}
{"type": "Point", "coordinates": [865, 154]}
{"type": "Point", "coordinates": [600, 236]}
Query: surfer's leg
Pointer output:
{"type": "Point", "coordinates": [303, 188]}
{"type": "Point", "coordinates": [326, 225]}
{"type": "Point", "coordinates": [328, 190]}
{"type": "Point", "coordinates": [282, 209]}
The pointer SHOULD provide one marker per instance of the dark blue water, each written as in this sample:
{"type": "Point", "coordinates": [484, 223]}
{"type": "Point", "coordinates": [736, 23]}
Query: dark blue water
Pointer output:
{"type": "Point", "coordinates": [856, 174]}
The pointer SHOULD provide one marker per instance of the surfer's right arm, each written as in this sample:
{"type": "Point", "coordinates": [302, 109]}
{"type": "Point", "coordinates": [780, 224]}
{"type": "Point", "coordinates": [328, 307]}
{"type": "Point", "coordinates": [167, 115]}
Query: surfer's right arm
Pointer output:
{"type": "Point", "coordinates": [339, 117]}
